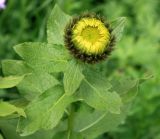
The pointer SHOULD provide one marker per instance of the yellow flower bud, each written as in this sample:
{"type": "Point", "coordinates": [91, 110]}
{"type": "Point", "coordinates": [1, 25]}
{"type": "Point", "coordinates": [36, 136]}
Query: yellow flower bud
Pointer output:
{"type": "Point", "coordinates": [89, 38]}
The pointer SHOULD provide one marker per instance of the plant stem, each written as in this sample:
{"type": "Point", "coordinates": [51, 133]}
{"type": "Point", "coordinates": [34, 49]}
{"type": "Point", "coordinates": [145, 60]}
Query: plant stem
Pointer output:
{"type": "Point", "coordinates": [70, 121]}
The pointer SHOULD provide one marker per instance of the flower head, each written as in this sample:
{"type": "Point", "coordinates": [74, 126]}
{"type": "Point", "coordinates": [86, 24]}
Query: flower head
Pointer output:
{"type": "Point", "coordinates": [89, 38]}
{"type": "Point", "coordinates": [2, 4]}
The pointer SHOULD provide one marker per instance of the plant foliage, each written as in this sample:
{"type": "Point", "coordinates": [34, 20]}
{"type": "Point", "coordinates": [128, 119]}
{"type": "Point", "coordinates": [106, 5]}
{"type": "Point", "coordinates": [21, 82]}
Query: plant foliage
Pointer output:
{"type": "Point", "coordinates": [62, 95]}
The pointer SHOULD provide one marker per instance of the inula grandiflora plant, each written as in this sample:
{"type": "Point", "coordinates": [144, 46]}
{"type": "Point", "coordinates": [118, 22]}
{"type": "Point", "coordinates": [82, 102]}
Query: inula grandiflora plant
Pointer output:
{"type": "Point", "coordinates": [63, 93]}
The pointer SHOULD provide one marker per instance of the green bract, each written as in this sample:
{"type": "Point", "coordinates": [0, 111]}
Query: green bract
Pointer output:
{"type": "Point", "coordinates": [72, 99]}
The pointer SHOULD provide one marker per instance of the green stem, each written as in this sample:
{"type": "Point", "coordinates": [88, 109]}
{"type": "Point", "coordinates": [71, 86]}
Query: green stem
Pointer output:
{"type": "Point", "coordinates": [70, 121]}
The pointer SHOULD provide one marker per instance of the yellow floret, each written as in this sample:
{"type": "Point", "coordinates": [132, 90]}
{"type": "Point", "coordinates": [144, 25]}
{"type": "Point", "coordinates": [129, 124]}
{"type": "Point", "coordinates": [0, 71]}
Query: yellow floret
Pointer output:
{"type": "Point", "coordinates": [91, 36]}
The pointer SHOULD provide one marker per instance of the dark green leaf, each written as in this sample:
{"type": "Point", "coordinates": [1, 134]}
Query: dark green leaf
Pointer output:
{"type": "Point", "coordinates": [56, 25]}
{"type": "Point", "coordinates": [18, 67]}
{"type": "Point", "coordinates": [45, 111]}
{"type": "Point", "coordinates": [67, 135]}
{"type": "Point", "coordinates": [95, 91]}
{"type": "Point", "coordinates": [36, 83]}
{"type": "Point", "coordinates": [127, 88]}
{"type": "Point", "coordinates": [8, 128]}
{"type": "Point", "coordinates": [72, 77]}
{"type": "Point", "coordinates": [10, 81]}
{"type": "Point", "coordinates": [43, 57]}
{"type": "Point", "coordinates": [118, 27]}
{"type": "Point", "coordinates": [7, 109]}
{"type": "Point", "coordinates": [94, 123]}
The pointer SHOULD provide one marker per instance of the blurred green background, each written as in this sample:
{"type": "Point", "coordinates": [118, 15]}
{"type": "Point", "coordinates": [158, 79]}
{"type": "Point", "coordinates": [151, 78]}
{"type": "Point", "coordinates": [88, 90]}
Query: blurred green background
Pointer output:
{"type": "Point", "coordinates": [138, 51]}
